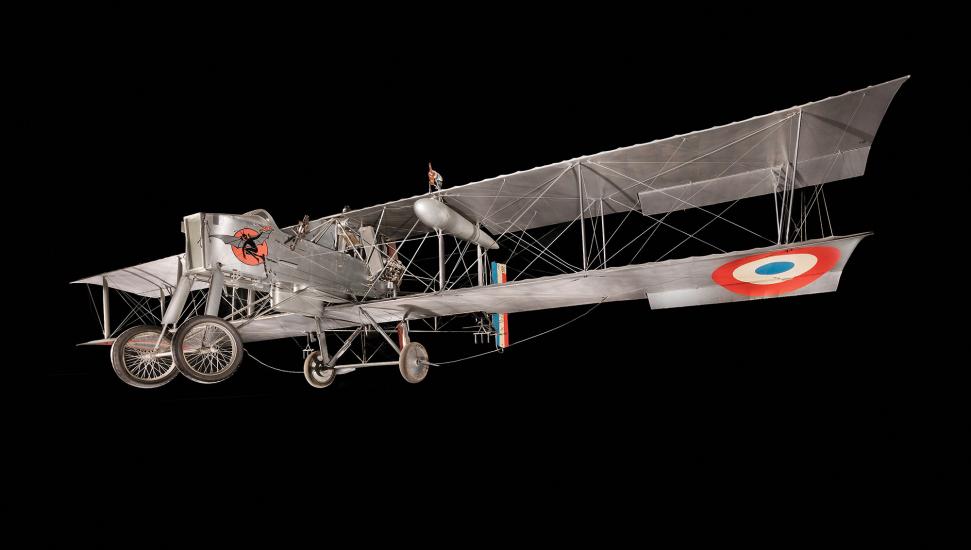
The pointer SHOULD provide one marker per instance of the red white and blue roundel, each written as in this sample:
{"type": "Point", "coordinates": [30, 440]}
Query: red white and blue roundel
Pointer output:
{"type": "Point", "coordinates": [776, 273]}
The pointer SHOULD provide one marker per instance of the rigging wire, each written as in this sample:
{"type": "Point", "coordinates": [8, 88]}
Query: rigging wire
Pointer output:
{"type": "Point", "coordinates": [94, 308]}
{"type": "Point", "coordinates": [253, 357]}
{"type": "Point", "coordinates": [545, 332]}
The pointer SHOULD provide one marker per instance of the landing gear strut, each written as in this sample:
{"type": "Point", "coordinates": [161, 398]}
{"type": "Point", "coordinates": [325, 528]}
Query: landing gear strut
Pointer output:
{"type": "Point", "coordinates": [320, 368]}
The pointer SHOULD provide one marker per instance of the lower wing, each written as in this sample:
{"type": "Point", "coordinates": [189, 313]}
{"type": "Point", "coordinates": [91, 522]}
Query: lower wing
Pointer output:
{"type": "Point", "coordinates": [784, 270]}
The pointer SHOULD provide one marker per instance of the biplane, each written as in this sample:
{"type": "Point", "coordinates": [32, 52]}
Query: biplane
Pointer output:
{"type": "Point", "coordinates": [361, 284]}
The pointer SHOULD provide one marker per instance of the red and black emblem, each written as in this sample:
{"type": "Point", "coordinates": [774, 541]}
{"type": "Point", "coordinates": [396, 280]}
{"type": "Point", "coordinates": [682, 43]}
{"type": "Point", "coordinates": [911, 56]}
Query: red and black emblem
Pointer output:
{"type": "Point", "coordinates": [248, 244]}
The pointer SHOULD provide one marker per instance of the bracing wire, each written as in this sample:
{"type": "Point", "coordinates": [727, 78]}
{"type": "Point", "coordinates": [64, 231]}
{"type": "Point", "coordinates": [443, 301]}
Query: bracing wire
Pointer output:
{"type": "Point", "coordinates": [271, 367]}
{"type": "Point", "coordinates": [545, 332]}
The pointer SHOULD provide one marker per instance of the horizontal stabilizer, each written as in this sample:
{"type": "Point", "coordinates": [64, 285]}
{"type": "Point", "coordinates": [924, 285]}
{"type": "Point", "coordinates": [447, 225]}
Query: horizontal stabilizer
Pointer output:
{"type": "Point", "coordinates": [147, 279]}
{"type": "Point", "coordinates": [99, 342]}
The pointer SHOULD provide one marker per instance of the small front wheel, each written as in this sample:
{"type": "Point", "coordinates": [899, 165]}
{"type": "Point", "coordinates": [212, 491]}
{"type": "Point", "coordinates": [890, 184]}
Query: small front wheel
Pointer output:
{"type": "Point", "coordinates": [207, 349]}
{"type": "Point", "coordinates": [316, 371]}
{"type": "Point", "coordinates": [413, 362]}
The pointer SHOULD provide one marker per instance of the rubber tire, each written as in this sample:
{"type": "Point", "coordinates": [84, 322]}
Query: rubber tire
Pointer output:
{"type": "Point", "coordinates": [178, 354]}
{"type": "Point", "coordinates": [118, 363]}
{"type": "Point", "coordinates": [412, 348]}
{"type": "Point", "coordinates": [313, 378]}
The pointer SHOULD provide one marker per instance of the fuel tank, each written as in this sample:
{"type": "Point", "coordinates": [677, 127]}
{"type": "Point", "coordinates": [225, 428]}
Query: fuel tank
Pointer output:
{"type": "Point", "coordinates": [438, 215]}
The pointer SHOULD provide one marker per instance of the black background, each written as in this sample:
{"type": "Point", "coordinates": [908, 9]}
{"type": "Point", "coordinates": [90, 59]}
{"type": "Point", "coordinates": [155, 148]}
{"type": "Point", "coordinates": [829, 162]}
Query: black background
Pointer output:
{"type": "Point", "coordinates": [837, 390]}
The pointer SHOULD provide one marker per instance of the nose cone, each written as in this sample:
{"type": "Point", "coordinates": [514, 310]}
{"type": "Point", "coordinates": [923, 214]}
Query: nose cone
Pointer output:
{"type": "Point", "coordinates": [487, 242]}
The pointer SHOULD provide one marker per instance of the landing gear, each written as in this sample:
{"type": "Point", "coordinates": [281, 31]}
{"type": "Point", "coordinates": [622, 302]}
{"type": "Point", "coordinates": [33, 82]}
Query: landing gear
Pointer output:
{"type": "Point", "coordinates": [316, 371]}
{"type": "Point", "coordinates": [207, 349]}
{"type": "Point", "coordinates": [413, 362]}
{"type": "Point", "coordinates": [137, 362]}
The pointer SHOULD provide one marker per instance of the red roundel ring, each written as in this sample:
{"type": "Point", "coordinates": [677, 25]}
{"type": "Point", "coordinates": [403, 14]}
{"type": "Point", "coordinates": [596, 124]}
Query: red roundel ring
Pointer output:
{"type": "Point", "coordinates": [778, 272]}
{"type": "Point", "coordinates": [247, 257]}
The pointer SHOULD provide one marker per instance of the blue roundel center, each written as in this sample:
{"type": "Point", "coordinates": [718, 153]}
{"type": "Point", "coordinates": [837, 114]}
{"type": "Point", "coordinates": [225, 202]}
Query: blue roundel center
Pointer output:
{"type": "Point", "coordinates": [774, 268]}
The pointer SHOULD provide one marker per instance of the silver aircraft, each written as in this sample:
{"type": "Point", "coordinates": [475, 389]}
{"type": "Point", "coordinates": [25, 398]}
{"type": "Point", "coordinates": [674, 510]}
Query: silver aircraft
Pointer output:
{"type": "Point", "coordinates": [537, 239]}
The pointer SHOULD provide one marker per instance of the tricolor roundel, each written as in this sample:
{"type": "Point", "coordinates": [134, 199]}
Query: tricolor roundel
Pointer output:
{"type": "Point", "coordinates": [776, 273]}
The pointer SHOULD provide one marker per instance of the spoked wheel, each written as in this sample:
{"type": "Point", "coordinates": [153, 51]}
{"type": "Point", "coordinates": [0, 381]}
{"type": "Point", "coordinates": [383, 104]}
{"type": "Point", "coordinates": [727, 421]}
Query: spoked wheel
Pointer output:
{"type": "Point", "coordinates": [317, 373]}
{"type": "Point", "coordinates": [137, 362]}
{"type": "Point", "coordinates": [413, 362]}
{"type": "Point", "coordinates": [207, 349]}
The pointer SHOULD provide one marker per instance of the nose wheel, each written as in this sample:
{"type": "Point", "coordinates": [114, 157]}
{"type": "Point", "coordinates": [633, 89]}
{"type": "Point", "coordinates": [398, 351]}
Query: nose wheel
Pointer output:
{"type": "Point", "coordinates": [413, 362]}
{"type": "Point", "coordinates": [316, 371]}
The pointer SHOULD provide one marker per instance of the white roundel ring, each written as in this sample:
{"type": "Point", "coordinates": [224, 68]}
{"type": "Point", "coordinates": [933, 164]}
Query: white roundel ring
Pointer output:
{"type": "Point", "coordinates": [774, 269]}
{"type": "Point", "coordinates": [776, 273]}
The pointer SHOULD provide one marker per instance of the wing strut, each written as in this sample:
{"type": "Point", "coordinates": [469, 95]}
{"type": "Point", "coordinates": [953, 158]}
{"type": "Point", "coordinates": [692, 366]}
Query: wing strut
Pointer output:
{"type": "Point", "coordinates": [104, 305]}
{"type": "Point", "coordinates": [583, 226]}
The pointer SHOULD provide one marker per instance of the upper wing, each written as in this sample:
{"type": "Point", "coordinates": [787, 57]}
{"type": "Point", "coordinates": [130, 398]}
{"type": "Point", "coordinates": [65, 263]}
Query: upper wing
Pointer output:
{"type": "Point", "coordinates": [724, 163]}
{"type": "Point", "coordinates": [667, 284]}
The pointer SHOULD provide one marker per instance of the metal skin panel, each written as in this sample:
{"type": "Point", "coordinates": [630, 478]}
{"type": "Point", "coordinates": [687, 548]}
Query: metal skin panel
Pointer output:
{"type": "Point", "coordinates": [192, 227]}
{"type": "Point", "coordinates": [838, 166]}
{"type": "Point", "coordinates": [372, 251]}
{"type": "Point", "coordinates": [336, 275]}
{"type": "Point", "coordinates": [834, 137]}
{"type": "Point", "coordinates": [219, 252]}
{"type": "Point", "coordinates": [332, 276]}
{"type": "Point", "coordinates": [681, 197]}
{"type": "Point", "coordinates": [671, 283]}
{"type": "Point", "coordinates": [273, 327]}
